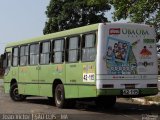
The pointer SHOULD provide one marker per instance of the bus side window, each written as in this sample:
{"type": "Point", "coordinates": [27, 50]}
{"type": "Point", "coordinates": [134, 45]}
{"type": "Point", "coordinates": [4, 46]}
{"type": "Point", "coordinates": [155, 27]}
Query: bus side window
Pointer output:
{"type": "Point", "coordinates": [88, 47]}
{"type": "Point", "coordinates": [24, 51]}
{"type": "Point", "coordinates": [58, 51]}
{"type": "Point", "coordinates": [9, 58]}
{"type": "Point", "coordinates": [45, 53]}
{"type": "Point", "coordinates": [6, 60]}
{"type": "Point", "coordinates": [73, 47]}
{"type": "Point", "coordinates": [34, 54]}
{"type": "Point", "coordinates": [15, 59]}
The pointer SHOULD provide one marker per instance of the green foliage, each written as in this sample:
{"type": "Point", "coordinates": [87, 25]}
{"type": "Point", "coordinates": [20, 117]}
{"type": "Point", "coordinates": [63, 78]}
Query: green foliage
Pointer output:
{"type": "Point", "coordinates": [139, 11]}
{"type": "Point", "coordinates": [67, 14]}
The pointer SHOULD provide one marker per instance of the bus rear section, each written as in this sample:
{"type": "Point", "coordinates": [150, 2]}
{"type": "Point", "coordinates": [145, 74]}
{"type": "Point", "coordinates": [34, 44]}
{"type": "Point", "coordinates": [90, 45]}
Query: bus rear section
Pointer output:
{"type": "Point", "coordinates": [126, 60]}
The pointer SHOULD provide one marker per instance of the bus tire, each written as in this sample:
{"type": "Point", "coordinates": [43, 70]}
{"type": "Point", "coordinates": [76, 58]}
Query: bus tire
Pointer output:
{"type": "Point", "coordinates": [105, 101]}
{"type": "Point", "coordinates": [14, 93]}
{"type": "Point", "coordinates": [60, 96]}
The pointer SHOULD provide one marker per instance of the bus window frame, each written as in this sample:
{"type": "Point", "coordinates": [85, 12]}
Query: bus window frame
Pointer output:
{"type": "Point", "coordinates": [5, 57]}
{"type": "Point", "coordinates": [24, 55]}
{"type": "Point", "coordinates": [83, 45]}
{"type": "Point", "coordinates": [29, 62]}
{"type": "Point", "coordinates": [67, 49]}
{"type": "Point", "coordinates": [16, 56]}
{"type": "Point", "coordinates": [52, 51]}
{"type": "Point", "coordinates": [6, 68]}
{"type": "Point", "coordinates": [40, 51]}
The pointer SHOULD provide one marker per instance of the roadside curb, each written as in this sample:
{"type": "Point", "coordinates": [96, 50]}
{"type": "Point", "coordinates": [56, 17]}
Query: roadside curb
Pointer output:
{"type": "Point", "coordinates": [145, 102]}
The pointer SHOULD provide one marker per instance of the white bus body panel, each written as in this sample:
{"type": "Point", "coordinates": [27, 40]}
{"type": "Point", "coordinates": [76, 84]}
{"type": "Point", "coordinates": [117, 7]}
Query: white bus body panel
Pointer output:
{"type": "Point", "coordinates": [126, 54]}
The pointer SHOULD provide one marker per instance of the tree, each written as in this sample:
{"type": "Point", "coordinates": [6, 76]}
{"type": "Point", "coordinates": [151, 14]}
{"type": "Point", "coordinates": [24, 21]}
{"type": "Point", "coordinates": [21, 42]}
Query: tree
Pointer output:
{"type": "Point", "coordinates": [139, 11]}
{"type": "Point", "coordinates": [67, 14]}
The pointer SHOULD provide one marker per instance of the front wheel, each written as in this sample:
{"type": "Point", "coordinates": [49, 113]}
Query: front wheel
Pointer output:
{"type": "Point", "coordinates": [14, 93]}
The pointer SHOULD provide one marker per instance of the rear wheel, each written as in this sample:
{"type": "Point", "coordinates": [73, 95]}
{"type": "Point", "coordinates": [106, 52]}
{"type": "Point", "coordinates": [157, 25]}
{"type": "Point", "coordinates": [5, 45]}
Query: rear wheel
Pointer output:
{"type": "Point", "coordinates": [59, 96]}
{"type": "Point", "coordinates": [14, 93]}
{"type": "Point", "coordinates": [60, 100]}
{"type": "Point", "coordinates": [106, 101]}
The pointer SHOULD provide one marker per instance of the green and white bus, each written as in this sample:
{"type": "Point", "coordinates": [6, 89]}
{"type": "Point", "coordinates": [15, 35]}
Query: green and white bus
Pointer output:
{"type": "Point", "coordinates": [98, 62]}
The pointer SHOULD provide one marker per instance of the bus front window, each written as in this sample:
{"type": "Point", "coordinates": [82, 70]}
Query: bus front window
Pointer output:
{"type": "Point", "coordinates": [6, 62]}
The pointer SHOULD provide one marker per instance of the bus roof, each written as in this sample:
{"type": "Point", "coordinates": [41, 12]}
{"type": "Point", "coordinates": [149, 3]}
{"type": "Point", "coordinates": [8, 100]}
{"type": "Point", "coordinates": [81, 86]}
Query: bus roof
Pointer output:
{"type": "Point", "coordinates": [56, 35]}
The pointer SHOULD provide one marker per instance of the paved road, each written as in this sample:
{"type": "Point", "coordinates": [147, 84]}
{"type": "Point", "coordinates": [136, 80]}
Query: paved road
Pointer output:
{"type": "Point", "coordinates": [125, 109]}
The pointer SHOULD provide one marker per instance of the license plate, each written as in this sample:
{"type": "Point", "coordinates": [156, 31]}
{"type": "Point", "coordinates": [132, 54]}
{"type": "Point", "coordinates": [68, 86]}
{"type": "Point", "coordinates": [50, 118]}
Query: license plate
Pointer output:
{"type": "Point", "coordinates": [130, 92]}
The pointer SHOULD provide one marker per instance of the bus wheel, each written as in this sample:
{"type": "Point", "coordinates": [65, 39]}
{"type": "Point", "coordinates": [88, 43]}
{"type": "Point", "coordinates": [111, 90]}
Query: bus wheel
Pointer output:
{"type": "Point", "coordinates": [59, 96]}
{"type": "Point", "coordinates": [105, 101]}
{"type": "Point", "coordinates": [14, 93]}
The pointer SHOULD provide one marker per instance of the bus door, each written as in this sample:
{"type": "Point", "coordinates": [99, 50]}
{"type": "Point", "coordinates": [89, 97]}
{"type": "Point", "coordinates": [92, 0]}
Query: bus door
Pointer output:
{"type": "Point", "coordinates": [73, 67]}
{"type": "Point", "coordinates": [30, 72]}
{"type": "Point", "coordinates": [45, 70]}
{"type": "Point", "coordinates": [23, 69]}
{"type": "Point", "coordinates": [87, 87]}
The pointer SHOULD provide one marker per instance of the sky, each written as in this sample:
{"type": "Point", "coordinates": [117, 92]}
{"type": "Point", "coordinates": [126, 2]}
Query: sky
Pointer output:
{"type": "Point", "coordinates": [23, 19]}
